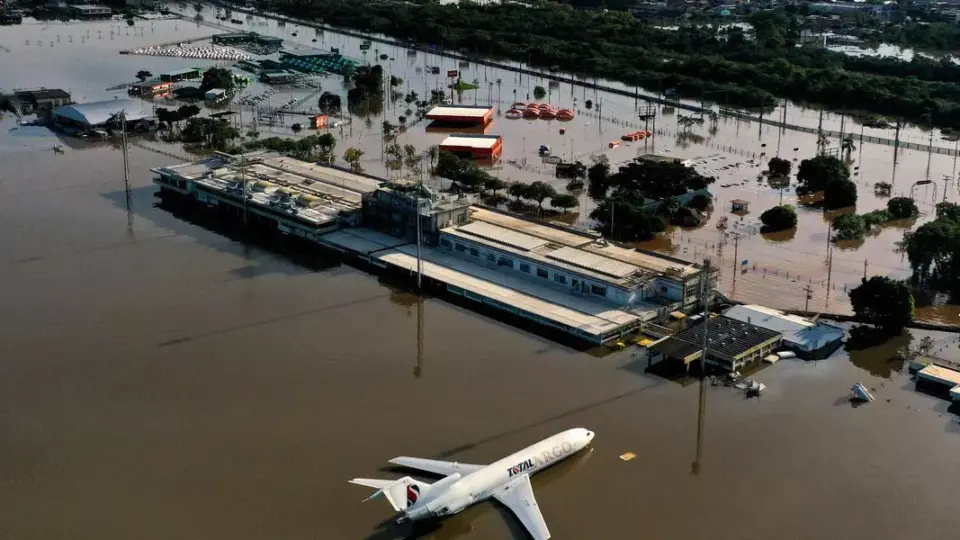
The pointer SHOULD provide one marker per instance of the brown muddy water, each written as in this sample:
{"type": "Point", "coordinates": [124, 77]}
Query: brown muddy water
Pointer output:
{"type": "Point", "coordinates": [159, 379]}
{"type": "Point", "coordinates": [779, 267]}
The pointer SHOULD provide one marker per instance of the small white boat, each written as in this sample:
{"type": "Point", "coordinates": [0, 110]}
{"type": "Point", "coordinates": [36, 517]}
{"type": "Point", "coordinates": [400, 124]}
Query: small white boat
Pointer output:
{"type": "Point", "coordinates": [859, 392]}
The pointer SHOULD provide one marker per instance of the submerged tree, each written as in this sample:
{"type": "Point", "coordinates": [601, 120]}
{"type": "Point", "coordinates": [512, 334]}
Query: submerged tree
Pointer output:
{"type": "Point", "coordinates": [883, 302]}
{"type": "Point", "coordinates": [353, 156]}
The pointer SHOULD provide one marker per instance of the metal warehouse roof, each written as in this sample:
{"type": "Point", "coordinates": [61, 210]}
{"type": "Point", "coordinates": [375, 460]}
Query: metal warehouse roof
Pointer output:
{"type": "Point", "coordinates": [478, 111]}
{"type": "Point", "coordinates": [728, 336]}
{"type": "Point", "coordinates": [801, 332]}
{"type": "Point", "coordinates": [503, 236]}
{"type": "Point", "coordinates": [597, 263]}
{"type": "Point", "coordinates": [100, 112]}
{"type": "Point", "coordinates": [476, 141]}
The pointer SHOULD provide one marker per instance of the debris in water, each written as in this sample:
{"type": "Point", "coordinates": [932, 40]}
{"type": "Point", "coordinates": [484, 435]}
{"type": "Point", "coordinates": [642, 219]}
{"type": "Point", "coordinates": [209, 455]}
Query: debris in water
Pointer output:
{"type": "Point", "coordinates": [628, 456]}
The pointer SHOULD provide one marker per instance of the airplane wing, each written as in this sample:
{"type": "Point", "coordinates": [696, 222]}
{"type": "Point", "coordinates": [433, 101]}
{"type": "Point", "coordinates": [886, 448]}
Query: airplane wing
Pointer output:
{"type": "Point", "coordinates": [518, 497]}
{"type": "Point", "coordinates": [445, 468]}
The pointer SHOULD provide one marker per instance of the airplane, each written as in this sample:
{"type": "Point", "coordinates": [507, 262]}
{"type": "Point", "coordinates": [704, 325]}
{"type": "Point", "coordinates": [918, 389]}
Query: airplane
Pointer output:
{"type": "Point", "coordinates": [506, 480]}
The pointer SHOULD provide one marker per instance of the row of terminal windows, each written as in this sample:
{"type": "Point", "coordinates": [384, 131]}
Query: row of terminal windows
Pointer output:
{"type": "Point", "coordinates": [598, 290]}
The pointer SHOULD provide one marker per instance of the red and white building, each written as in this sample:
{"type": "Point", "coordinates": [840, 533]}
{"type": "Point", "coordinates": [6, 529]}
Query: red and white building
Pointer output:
{"type": "Point", "coordinates": [463, 115]}
{"type": "Point", "coordinates": [483, 147]}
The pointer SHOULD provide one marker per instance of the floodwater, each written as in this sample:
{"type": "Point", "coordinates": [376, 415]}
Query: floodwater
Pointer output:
{"type": "Point", "coordinates": [160, 378]}
{"type": "Point", "coordinates": [734, 151]}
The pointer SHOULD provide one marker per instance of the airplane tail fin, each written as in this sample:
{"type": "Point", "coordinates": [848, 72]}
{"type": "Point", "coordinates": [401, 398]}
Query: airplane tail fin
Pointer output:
{"type": "Point", "coordinates": [401, 494]}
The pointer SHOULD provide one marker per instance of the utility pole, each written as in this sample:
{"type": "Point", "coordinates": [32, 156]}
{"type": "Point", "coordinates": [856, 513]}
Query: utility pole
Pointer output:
{"type": "Point", "coordinates": [806, 305]}
{"type": "Point", "coordinates": [419, 236]}
{"type": "Point", "coordinates": [705, 298]}
{"type": "Point", "coordinates": [864, 269]}
{"type": "Point", "coordinates": [126, 167]}
{"type": "Point", "coordinates": [736, 252]}
{"type": "Point", "coordinates": [243, 168]}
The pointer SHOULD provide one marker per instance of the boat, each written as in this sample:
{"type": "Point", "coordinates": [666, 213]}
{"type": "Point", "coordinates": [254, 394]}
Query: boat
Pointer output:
{"type": "Point", "coordinates": [547, 114]}
{"type": "Point", "coordinates": [614, 144]}
{"type": "Point", "coordinates": [635, 136]}
{"type": "Point", "coordinates": [544, 106]}
{"type": "Point", "coordinates": [754, 388]}
{"type": "Point", "coordinates": [514, 114]}
{"type": "Point", "coordinates": [565, 114]}
{"type": "Point", "coordinates": [519, 105]}
{"type": "Point", "coordinates": [533, 106]}
{"type": "Point", "coordinates": [859, 392]}
{"type": "Point", "coordinates": [531, 113]}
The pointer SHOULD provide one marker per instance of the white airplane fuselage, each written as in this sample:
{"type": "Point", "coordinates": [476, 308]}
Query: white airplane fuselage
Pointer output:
{"type": "Point", "coordinates": [456, 492]}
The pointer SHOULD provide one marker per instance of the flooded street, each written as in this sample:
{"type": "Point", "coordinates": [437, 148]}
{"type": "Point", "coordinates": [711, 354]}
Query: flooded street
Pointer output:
{"type": "Point", "coordinates": [161, 379]}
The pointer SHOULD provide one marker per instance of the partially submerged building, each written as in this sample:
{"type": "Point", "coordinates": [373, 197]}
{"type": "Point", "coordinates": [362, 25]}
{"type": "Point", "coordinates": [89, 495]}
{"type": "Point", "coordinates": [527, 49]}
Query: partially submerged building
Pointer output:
{"type": "Point", "coordinates": [576, 263]}
{"type": "Point", "coordinates": [186, 74]}
{"type": "Point", "coordinates": [460, 115]}
{"type": "Point", "coordinates": [38, 100]}
{"type": "Point", "coordinates": [301, 198]}
{"type": "Point", "coordinates": [395, 206]}
{"type": "Point", "coordinates": [731, 344]}
{"type": "Point", "coordinates": [810, 340]}
{"type": "Point", "coordinates": [479, 147]}
{"type": "Point", "coordinates": [85, 117]}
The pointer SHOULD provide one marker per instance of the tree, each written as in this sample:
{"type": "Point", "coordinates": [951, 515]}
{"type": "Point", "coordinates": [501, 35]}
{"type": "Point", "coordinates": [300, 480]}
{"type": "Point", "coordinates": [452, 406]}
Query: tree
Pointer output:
{"type": "Point", "coordinates": [779, 218]}
{"type": "Point", "coordinates": [884, 302]}
{"type": "Point", "coordinates": [539, 92]}
{"type": "Point", "coordinates": [848, 227]}
{"type": "Point", "coordinates": [450, 166]}
{"type": "Point", "coordinates": [701, 202]}
{"type": "Point", "coordinates": [839, 194]}
{"type": "Point", "coordinates": [779, 167]}
{"type": "Point", "coordinates": [329, 103]}
{"type": "Point", "coordinates": [494, 184]}
{"type": "Point", "coordinates": [185, 112]}
{"type": "Point", "coordinates": [597, 176]}
{"type": "Point", "coordinates": [388, 130]}
{"type": "Point", "coordinates": [564, 201]}
{"type": "Point", "coordinates": [296, 127]}
{"type": "Point", "coordinates": [352, 156]}
{"type": "Point", "coordinates": [902, 208]}
{"type": "Point", "coordinates": [621, 216]}
{"type": "Point", "coordinates": [815, 173]}
{"type": "Point", "coordinates": [518, 190]}
{"type": "Point", "coordinates": [217, 77]}
{"type": "Point", "coordinates": [540, 191]}
{"type": "Point", "coordinates": [143, 75]}
{"type": "Point", "coordinates": [326, 144]}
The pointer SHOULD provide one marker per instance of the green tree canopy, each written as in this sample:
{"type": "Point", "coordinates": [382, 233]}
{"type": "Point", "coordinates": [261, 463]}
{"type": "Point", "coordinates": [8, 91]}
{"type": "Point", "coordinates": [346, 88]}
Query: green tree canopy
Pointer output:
{"type": "Point", "coordinates": [884, 302]}
{"type": "Point", "coordinates": [816, 173]}
{"type": "Point", "coordinates": [902, 208]}
{"type": "Point", "coordinates": [779, 218]}
{"type": "Point", "coordinates": [839, 194]}
{"type": "Point", "coordinates": [779, 167]}
{"type": "Point", "coordinates": [217, 77]}
{"type": "Point", "coordinates": [564, 201]}
{"type": "Point", "coordinates": [848, 227]}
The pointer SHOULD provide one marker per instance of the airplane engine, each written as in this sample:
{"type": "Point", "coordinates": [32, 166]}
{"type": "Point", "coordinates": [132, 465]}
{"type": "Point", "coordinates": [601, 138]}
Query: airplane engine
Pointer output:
{"type": "Point", "coordinates": [452, 506]}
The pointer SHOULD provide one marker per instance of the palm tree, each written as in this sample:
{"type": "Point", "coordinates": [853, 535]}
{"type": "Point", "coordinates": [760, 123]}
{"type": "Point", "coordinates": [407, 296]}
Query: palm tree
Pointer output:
{"type": "Point", "coordinates": [822, 142]}
{"type": "Point", "coordinates": [847, 146]}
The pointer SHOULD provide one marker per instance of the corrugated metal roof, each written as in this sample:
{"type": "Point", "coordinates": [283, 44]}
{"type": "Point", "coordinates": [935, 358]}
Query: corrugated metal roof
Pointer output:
{"type": "Point", "coordinates": [474, 112]}
{"type": "Point", "coordinates": [768, 318]}
{"type": "Point", "coordinates": [100, 112]}
{"type": "Point", "coordinates": [597, 263]}
{"type": "Point", "coordinates": [503, 236]}
{"type": "Point", "coordinates": [472, 142]}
